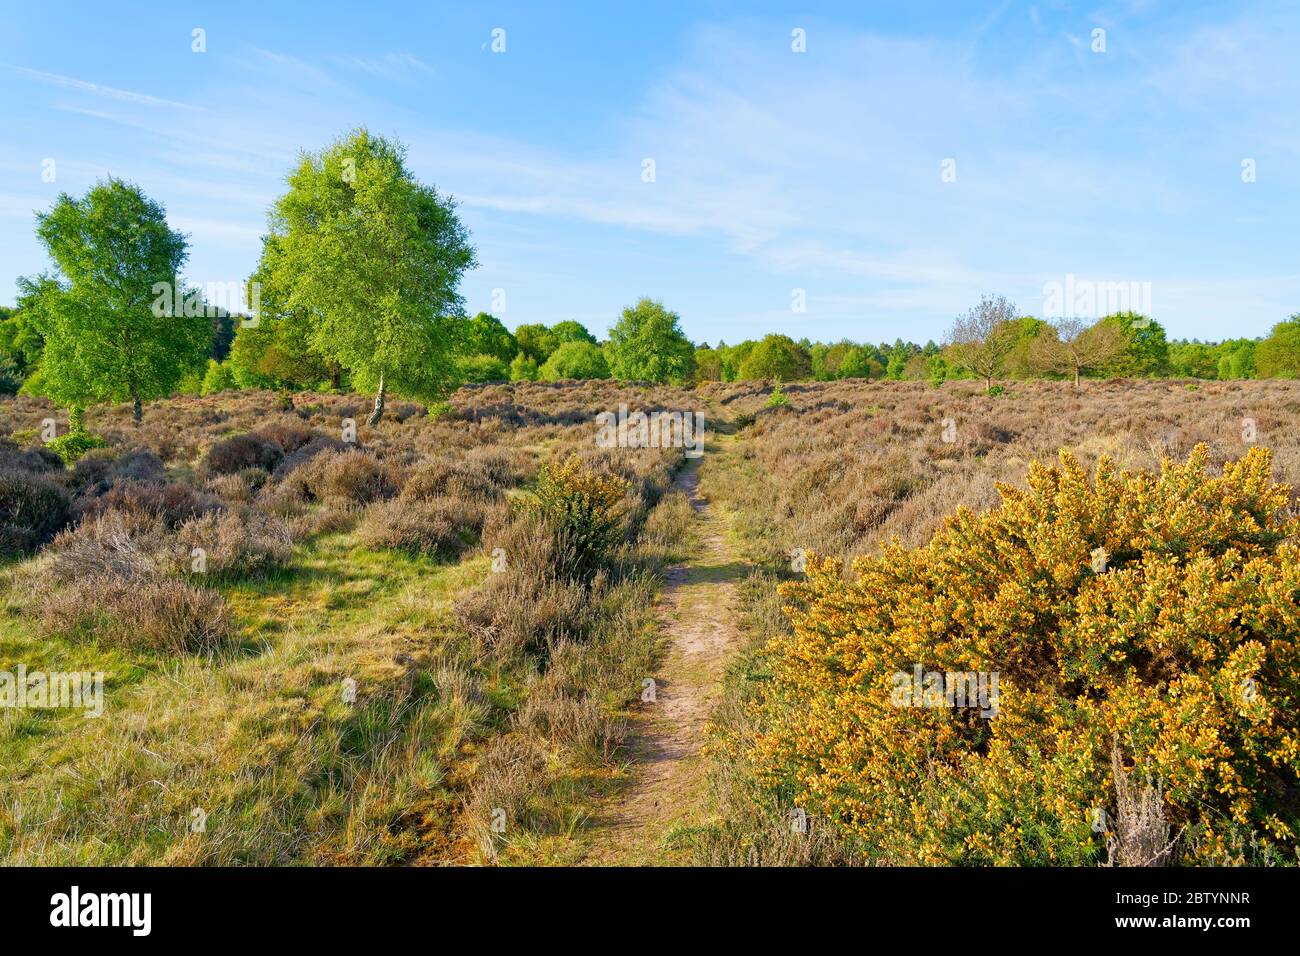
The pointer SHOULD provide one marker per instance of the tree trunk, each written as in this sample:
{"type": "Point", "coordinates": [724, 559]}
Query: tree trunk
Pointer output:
{"type": "Point", "coordinates": [137, 410]}
{"type": "Point", "coordinates": [988, 383]}
{"type": "Point", "coordinates": [378, 412]}
{"type": "Point", "coordinates": [1076, 377]}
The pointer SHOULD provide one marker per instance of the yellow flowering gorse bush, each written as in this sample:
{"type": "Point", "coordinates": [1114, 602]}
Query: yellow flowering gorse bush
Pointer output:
{"type": "Point", "coordinates": [1154, 613]}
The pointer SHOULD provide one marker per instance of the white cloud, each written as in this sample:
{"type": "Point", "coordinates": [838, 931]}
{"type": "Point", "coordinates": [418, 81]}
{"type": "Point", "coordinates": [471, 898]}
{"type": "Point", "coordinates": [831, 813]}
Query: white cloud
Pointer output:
{"type": "Point", "coordinates": [86, 86]}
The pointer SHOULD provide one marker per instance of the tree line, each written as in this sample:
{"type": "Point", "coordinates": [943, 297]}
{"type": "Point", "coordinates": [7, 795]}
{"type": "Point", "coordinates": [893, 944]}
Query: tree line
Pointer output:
{"type": "Point", "coordinates": [357, 288]}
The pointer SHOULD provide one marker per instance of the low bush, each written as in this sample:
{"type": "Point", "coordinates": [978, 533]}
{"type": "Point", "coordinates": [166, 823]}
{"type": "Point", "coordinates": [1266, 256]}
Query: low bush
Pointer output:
{"type": "Point", "coordinates": [244, 544]}
{"type": "Point", "coordinates": [40, 460]}
{"type": "Point", "coordinates": [244, 451]}
{"type": "Point", "coordinates": [173, 503]}
{"type": "Point", "coordinates": [441, 478]}
{"type": "Point", "coordinates": [1140, 627]}
{"type": "Point", "coordinates": [289, 435]}
{"type": "Point", "coordinates": [439, 527]}
{"type": "Point", "coordinates": [354, 477]}
{"type": "Point", "coordinates": [526, 605]}
{"type": "Point", "coordinates": [580, 507]}
{"type": "Point", "coordinates": [154, 614]}
{"type": "Point", "coordinates": [72, 445]}
{"type": "Point", "coordinates": [32, 510]}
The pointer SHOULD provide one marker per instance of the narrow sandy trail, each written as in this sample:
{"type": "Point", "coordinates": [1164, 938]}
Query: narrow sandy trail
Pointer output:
{"type": "Point", "coordinates": [698, 618]}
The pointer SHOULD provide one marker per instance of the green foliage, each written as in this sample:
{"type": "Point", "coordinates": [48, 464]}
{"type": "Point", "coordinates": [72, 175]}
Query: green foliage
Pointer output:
{"type": "Point", "coordinates": [1278, 356]}
{"type": "Point", "coordinates": [1237, 359]}
{"type": "Point", "coordinates": [938, 369]}
{"type": "Point", "coordinates": [897, 359]}
{"type": "Point", "coordinates": [776, 357]}
{"type": "Point", "coordinates": [570, 331]}
{"type": "Point", "coordinates": [777, 398]}
{"type": "Point", "coordinates": [856, 362]}
{"type": "Point", "coordinates": [485, 335]}
{"type": "Point", "coordinates": [71, 445]}
{"type": "Point", "coordinates": [1020, 362]}
{"type": "Point", "coordinates": [535, 341]}
{"type": "Point", "coordinates": [1146, 352]}
{"type": "Point", "coordinates": [375, 258]}
{"type": "Point", "coordinates": [21, 344]}
{"type": "Point", "coordinates": [218, 378]}
{"type": "Point", "coordinates": [1193, 360]}
{"type": "Point", "coordinates": [575, 360]}
{"type": "Point", "coordinates": [524, 369]}
{"type": "Point", "coordinates": [277, 353]}
{"type": "Point", "coordinates": [708, 364]}
{"type": "Point", "coordinates": [103, 340]}
{"type": "Point", "coordinates": [483, 368]}
{"type": "Point", "coordinates": [647, 344]}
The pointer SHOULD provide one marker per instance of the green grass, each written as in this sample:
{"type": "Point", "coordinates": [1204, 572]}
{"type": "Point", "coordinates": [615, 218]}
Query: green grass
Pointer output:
{"type": "Point", "coordinates": [260, 738]}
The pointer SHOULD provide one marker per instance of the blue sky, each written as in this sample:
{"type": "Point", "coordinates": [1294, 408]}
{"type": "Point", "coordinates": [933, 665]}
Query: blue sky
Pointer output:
{"type": "Point", "coordinates": [774, 170]}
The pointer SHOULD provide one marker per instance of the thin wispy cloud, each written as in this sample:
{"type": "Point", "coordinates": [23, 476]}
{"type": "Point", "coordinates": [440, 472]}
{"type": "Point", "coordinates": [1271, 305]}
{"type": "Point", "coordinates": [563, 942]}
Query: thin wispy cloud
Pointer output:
{"type": "Point", "coordinates": [98, 89]}
{"type": "Point", "coordinates": [389, 66]}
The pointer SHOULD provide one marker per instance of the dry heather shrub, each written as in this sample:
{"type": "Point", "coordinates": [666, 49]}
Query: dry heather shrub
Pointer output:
{"type": "Point", "coordinates": [512, 782]}
{"type": "Point", "coordinates": [105, 581]}
{"type": "Point", "coordinates": [528, 606]}
{"type": "Point", "coordinates": [243, 543]}
{"type": "Point", "coordinates": [32, 510]}
{"type": "Point", "coordinates": [115, 544]}
{"type": "Point", "coordinates": [1181, 643]}
{"type": "Point", "coordinates": [240, 488]}
{"type": "Point", "coordinates": [352, 477]}
{"type": "Point", "coordinates": [155, 613]}
{"type": "Point", "coordinates": [38, 460]}
{"type": "Point", "coordinates": [441, 527]}
{"type": "Point", "coordinates": [172, 503]}
{"type": "Point", "coordinates": [305, 453]}
{"type": "Point", "coordinates": [243, 451]}
{"type": "Point", "coordinates": [289, 435]}
{"type": "Point", "coordinates": [440, 477]}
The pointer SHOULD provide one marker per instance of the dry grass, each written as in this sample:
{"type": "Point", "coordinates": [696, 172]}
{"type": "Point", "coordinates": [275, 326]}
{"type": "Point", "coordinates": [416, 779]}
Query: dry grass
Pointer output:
{"type": "Point", "coordinates": [327, 565]}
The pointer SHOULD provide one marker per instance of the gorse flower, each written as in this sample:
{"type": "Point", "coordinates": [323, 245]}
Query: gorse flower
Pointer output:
{"type": "Point", "coordinates": [581, 509]}
{"type": "Point", "coordinates": [1181, 646]}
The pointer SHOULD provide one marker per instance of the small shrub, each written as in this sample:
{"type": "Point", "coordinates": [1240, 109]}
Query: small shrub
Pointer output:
{"type": "Point", "coordinates": [157, 614]}
{"type": "Point", "coordinates": [38, 460]}
{"type": "Point", "coordinates": [442, 527]}
{"type": "Point", "coordinates": [32, 510]}
{"type": "Point", "coordinates": [172, 503]}
{"type": "Point", "coordinates": [305, 453]}
{"type": "Point", "coordinates": [72, 445]}
{"type": "Point", "coordinates": [778, 398]}
{"type": "Point", "coordinates": [580, 508]}
{"type": "Point", "coordinates": [290, 436]}
{"type": "Point", "coordinates": [241, 544]}
{"type": "Point", "coordinates": [440, 478]}
{"type": "Point", "coordinates": [244, 451]}
{"type": "Point", "coordinates": [528, 606]}
{"type": "Point", "coordinates": [355, 477]}
{"type": "Point", "coordinates": [114, 544]}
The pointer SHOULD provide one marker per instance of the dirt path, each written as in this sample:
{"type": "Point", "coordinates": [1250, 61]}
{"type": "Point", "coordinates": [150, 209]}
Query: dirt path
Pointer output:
{"type": "Point", "coordinates": [697, 616]}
